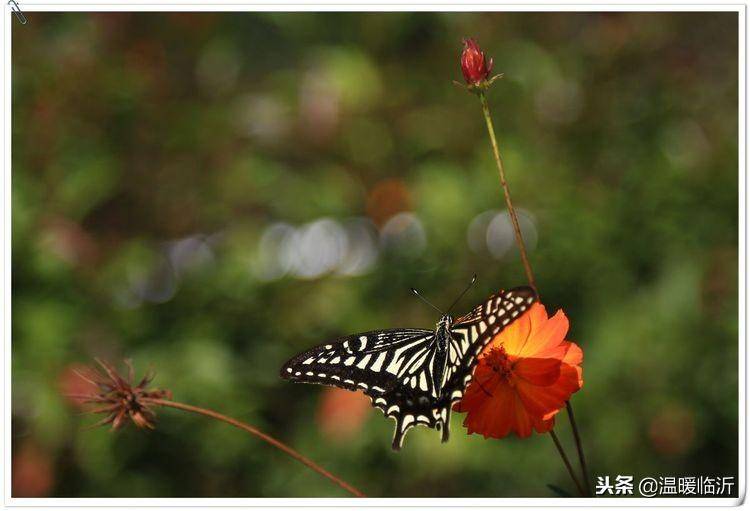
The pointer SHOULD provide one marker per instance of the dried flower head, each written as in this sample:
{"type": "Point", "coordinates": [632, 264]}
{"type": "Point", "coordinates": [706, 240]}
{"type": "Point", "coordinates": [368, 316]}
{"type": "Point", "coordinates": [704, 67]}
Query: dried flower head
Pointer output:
{"type": "Point", "coordinates": [118, 398]}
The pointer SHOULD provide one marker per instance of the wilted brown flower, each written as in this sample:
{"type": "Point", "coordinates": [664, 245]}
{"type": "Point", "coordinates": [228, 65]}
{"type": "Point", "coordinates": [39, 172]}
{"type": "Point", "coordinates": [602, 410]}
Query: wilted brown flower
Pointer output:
{"type": "Point", "coordinates": [118, 398]}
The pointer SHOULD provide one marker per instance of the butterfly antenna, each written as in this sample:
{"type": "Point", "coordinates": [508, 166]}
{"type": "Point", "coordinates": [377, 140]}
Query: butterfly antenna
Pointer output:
{"type": "Point", "coordinates": [425, 300]}
{"type": "Point", "coordinates": [473, 280]}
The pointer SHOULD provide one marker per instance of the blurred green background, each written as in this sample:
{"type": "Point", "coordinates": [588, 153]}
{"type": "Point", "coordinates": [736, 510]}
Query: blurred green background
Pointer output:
{"type": "Point", "coordinates": [209, 194]}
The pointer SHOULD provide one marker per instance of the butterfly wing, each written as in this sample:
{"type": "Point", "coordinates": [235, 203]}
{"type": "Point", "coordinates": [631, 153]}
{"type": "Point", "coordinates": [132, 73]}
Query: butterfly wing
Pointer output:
{"type": "Point", "coordinates": [469, 335]}
{"type": "Point", "coordinates": [472, 332]}
{"type": "Point", "coordinates": [370, 361]}
{"type": "Point", "coordinates": [392, 367]}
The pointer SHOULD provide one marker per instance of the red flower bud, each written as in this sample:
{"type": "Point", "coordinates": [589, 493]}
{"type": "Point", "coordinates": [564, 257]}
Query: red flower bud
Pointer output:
{"type": "Point", "coordinates": [474, 66]}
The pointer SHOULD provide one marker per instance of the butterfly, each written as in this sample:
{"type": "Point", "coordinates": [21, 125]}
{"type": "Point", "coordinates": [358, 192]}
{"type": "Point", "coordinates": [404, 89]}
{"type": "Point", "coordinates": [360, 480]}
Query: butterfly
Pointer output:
{"type": "Point", "coordinates": [412, 375]}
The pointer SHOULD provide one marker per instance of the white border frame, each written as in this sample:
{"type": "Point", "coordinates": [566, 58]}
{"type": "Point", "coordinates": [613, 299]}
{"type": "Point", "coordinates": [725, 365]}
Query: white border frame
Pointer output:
{"type": "Point", "coordinates": [309, 5]}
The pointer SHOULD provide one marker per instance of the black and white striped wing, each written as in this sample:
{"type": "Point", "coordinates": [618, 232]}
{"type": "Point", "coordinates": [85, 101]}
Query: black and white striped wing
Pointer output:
{"type": "Point", "coordinates": [393, 367]}
{"type": "Point", "coordinates": [472, 332]}
{"type": "Point", "coordinates": [370, 361]}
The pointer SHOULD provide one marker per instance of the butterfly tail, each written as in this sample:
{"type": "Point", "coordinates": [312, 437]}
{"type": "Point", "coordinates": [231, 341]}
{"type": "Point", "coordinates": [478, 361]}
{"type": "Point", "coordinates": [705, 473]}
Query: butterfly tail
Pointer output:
{"type": "Point", "coordinates": [446, 427]}
{"type": "Point", "coordinates": [446, 432]}
{"type": "Point", "coordinates": [398, 439]}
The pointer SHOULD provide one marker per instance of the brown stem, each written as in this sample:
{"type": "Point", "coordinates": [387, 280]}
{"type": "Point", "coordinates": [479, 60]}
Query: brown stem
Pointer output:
{"type": "Point", "coordinates": [579, 448]}
{"type": "Point", "coordinates": [506, 191]}
{"type": "Point", "coordinates": [266, 438]}
{"type": "Point", "coordinates": [566, 461]}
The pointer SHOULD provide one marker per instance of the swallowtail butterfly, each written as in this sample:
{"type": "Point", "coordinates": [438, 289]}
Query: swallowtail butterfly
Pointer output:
{"type": "Point", "coordinates": [412, 375]}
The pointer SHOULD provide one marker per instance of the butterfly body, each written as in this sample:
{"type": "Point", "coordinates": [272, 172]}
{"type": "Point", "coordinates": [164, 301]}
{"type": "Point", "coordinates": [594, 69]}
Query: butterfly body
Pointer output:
{"type": "Point", "coordinates": [441, 340]}
{"type": "Point", "coordinates": [412, 375]}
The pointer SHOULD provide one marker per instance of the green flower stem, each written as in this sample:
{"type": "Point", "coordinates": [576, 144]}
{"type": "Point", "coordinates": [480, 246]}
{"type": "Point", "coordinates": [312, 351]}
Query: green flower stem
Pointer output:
{"type": "Point", "coordinates": [532, 283]}
{"type": "Point", "coordinates": [579, 448]}
{"type": "Point", "coordinates": [506, 190]}
{"type": "Point", "coordinates": [566, 461]}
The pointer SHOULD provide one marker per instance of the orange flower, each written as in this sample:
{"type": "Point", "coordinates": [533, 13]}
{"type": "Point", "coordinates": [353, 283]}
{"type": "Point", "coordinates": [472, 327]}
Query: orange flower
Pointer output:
{"type": "Point", "coordinates": [524, 377]}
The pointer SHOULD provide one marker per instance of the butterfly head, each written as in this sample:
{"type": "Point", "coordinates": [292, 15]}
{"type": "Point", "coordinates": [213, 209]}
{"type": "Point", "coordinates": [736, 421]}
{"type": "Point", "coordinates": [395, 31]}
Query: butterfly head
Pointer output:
{"type": "Point", "coordinates": [445, 322]}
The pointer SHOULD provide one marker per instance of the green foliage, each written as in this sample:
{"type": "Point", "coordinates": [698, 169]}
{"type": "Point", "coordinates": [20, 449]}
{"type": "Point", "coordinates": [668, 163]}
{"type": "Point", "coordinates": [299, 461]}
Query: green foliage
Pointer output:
{"type": "Point", "coordinates": [153, 152]}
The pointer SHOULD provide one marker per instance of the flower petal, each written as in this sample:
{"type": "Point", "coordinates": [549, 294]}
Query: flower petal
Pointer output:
{"type": "Point", "coordinates": [480, 389]}
{"type": "Point", "coordinates": [540, 401]}
{"type": "Point", "coordinates": [574, 358]}
{"type": "Point", "coordinates": [514, 336]}
{"type": "Point", "coordinates": [543, 401]}
{"type": "Point", "coordinates": [574, 355]}
{"type": "Point", "coordinates": [546, 335]}
{"type": "Point", "coordinates": [492, 417]}
{"type": "Point", "coordinates": [544, 425]}
{"type": "Point", "coordinates": [522, 420]}
{"type": "Point", "coordinates": [538, 371]}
